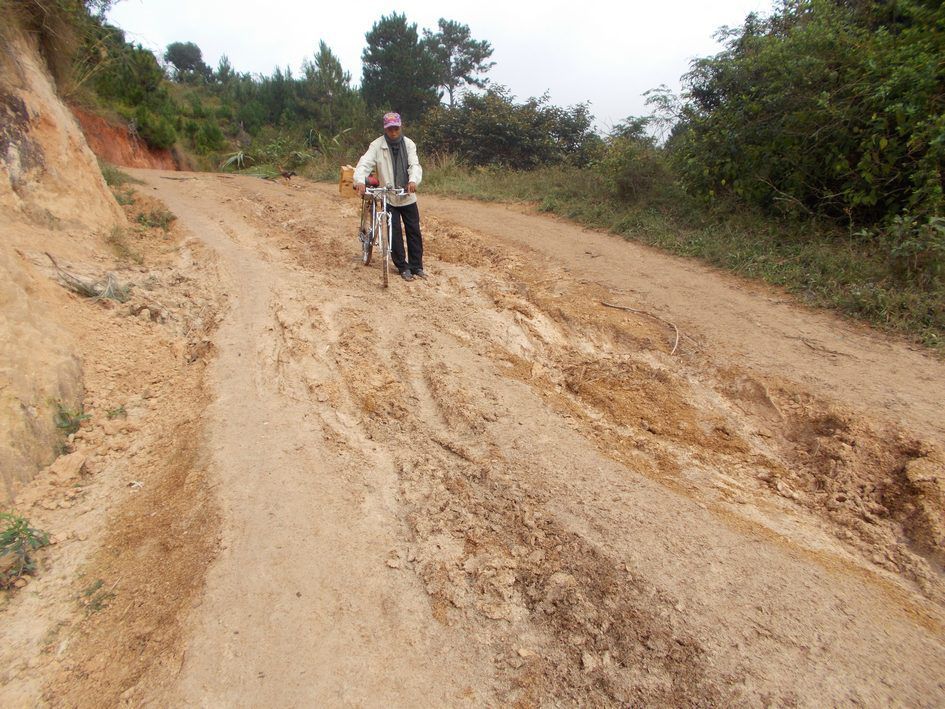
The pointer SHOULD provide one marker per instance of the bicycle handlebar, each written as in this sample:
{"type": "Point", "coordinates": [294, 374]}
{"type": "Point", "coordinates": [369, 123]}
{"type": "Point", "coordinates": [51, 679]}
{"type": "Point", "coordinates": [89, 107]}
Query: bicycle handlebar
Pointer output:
{"type": "Point", "coordinates": [398, 191]}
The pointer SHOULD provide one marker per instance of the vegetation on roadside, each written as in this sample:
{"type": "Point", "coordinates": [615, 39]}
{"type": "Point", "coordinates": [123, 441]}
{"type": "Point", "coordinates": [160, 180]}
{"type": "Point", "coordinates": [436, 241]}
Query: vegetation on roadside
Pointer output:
{"type": "Point", "coordinates": [157, 218]}
{"type": "Point", "coordinates": [114, 177]}
{"type": "Point", "coordinates": [18, 541]}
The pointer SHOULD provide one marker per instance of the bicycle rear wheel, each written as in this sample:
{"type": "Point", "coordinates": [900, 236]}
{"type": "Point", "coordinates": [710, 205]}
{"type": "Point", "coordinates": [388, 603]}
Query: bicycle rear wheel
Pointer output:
{"type": "Point", "coordinates": [385, 248]}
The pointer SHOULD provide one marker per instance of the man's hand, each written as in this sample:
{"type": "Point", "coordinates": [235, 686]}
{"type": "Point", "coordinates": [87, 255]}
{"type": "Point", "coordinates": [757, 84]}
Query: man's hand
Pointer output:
{"type": "Point", "coordinates": [359, 188]}
{"type": "Point", "coordinates": [411, 187]}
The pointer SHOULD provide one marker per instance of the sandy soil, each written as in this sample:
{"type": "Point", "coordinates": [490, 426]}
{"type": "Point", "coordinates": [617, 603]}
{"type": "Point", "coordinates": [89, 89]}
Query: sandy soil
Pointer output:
{"type": "Point", "coordinates": [489, 488]}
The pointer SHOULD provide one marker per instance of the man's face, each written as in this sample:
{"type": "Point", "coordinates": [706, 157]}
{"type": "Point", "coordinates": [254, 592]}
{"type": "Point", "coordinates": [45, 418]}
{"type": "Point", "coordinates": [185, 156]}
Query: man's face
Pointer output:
{"type": "Point", "coordinates": [393, 132]}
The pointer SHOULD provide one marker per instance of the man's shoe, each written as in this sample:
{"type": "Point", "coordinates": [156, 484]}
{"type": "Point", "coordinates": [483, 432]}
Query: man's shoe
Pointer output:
{"type": "Point", "coordinates": [406, 275]}
{"type": "Point", "coordinates": [420, 273]}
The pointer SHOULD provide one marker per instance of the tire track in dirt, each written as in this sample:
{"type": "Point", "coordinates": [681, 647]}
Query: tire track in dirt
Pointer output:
{"type": "Point", "coordinates": [531, 494]}
{"type": "Point", "coordinates": [307, 516]}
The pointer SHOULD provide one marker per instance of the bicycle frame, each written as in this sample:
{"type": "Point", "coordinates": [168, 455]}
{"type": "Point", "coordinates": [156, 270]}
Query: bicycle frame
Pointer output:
{"type": "Point", "coordinates": [379, 232]}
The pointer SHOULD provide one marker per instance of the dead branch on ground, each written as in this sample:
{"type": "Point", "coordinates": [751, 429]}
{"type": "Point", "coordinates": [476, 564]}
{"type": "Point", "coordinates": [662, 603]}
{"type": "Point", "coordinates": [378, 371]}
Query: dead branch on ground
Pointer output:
{"type": "Point", "coordinates": [107, 288]}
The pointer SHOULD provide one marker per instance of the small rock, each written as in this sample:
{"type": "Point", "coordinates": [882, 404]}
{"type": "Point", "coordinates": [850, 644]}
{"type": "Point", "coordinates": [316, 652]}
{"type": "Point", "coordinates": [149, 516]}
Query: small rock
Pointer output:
{"type": "Point", "coordinates": [393, 563]}
{"type": "Point", "coordinates": [68, 466]}
{"type": "Point", "coordinates": [20, 582]}
{"type": "Point", "coordinates": [589, 662]}
{"type": "Point", "coordinates": [144, 314]}
{"type": "Point", "coordinates": [525, 653]}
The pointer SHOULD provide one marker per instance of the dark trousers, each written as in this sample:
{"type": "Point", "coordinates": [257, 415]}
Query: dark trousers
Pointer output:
{"type": "Point", "coordinates": [411, 218]}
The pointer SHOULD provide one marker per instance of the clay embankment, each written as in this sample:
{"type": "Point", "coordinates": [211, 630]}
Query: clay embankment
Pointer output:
{"type": "Point", "coordinates": [115, 144]}
{"type": "Point", "coordinates": [52, 199]}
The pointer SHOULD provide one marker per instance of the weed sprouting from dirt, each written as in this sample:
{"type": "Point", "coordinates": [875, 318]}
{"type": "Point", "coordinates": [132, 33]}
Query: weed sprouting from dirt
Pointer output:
{"type": "Point", "coordinates": [124, 197]}
{"type": "Point", "coordinates": [94, 598]}
{"type": "Point", "coordinates": [69, 420]}
{"type": "Point", "coordinates": [18, 541]}
{"type": "Point", "coordinates": [115, 177]}
{"type": "Point", "coordinates": [117, 239]}
{"type": "Point", "coordinates": [117, 412]}
{"type": "Point", "coordinates": [157, 218]}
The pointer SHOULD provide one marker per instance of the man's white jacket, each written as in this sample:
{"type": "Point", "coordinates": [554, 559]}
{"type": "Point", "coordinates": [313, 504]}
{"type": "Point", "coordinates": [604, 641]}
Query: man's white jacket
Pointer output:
{"type": "Point", "coordinates": [378, 155]}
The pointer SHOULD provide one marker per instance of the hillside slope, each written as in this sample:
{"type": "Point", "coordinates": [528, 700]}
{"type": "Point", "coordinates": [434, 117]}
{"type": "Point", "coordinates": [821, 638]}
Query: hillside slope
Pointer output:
{"type": "Point", "coordinates": [52, 198]}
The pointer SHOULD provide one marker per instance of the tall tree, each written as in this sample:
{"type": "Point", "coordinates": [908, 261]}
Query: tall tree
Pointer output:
{"type": "Point", "coordinates": [187, 60]}
{"type": "Point", "coordinates": [224, 73]}
{"type": "Point", "coordinates": [399, 72]}
{"type": "Point", "coordinates": [460, 58]}
{"type": "Point", "coordinates": [326, 88]}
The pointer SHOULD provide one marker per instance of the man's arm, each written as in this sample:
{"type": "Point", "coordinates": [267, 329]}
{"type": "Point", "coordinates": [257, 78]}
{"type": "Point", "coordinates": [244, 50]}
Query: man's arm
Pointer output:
{"type": "Point", "coordinates": [414, 171]}
{"type": "Point", "coordinates": [365, 167]}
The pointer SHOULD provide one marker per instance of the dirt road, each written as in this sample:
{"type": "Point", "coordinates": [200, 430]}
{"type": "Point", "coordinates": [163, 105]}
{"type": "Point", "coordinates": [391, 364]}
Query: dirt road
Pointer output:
{"type": "Point", "coordinates": [488, 488]}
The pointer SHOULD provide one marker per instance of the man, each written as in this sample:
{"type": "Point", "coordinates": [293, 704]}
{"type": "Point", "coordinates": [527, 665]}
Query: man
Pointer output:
{"type": "Point", "coordinates": [395, 158]}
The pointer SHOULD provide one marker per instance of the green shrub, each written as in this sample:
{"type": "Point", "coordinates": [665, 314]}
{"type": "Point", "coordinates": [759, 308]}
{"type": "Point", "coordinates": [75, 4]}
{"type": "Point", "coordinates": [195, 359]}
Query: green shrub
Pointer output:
{"type": "Point", "coordinates": [492, 129]}
{"type": "Point", "coordinates": [827, 108]}
{"type": "Point", "coordinates": [209, 138]}
{"type": "Point", "coordinates": [634, 169]}
{"type": "Point", "coordinates": [18, 541]}
{"type": "Point", "coordinates": [156, 130]}
{"type": "Point", "coordinates": [917, 249]}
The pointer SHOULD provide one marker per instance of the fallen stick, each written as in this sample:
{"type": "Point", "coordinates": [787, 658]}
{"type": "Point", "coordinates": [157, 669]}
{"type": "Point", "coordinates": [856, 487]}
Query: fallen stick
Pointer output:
{"type": "Point", "coordinates": [649, 315]}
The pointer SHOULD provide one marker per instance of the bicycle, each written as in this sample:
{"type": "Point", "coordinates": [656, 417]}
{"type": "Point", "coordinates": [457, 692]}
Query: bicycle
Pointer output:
{"type": "Point", "coordinates": [378, 232]}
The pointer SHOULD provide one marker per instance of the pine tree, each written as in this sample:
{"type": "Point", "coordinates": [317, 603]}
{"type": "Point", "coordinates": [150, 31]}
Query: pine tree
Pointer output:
{"type": "Point", "coordinates": [400, 74]}
{"type": "Point", "coordinates": [460, 58]}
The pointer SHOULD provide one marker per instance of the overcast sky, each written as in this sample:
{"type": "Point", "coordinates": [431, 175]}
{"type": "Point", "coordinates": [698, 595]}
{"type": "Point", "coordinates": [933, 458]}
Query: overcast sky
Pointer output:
{"type": "Point", "coordinates": [600, 51]}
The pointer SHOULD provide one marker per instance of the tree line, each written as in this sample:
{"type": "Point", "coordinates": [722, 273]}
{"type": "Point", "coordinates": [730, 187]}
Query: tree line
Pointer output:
{"type": "Point", "coordinates": [437, 79]}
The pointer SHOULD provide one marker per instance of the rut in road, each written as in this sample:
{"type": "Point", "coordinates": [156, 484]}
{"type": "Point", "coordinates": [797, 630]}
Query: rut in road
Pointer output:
{"type": "Point", "coordinates": [486, 487]}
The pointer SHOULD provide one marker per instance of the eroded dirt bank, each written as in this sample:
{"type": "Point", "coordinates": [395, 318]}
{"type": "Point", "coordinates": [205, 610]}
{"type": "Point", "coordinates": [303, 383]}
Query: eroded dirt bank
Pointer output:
{"type": "Point", "coordinates": [489, 488]}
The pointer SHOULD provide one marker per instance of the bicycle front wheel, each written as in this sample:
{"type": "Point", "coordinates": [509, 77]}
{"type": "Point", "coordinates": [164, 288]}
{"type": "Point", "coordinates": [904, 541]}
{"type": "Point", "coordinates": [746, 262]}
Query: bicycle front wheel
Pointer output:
{"type": "Point", "coordinates": [366, 230]}
{"type": "Point", "coordinates": [367, 248]}
{"type": "Point", "coordinates": [385, 249]}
